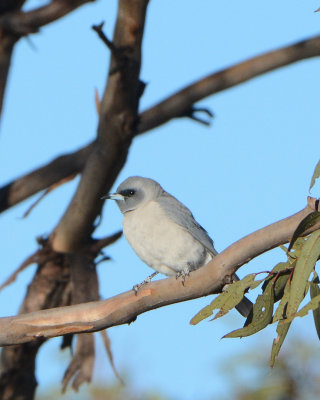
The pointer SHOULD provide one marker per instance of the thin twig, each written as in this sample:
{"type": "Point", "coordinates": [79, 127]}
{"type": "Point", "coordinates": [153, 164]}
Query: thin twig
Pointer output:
{"type": "Point", "coordinates": [104, 38]}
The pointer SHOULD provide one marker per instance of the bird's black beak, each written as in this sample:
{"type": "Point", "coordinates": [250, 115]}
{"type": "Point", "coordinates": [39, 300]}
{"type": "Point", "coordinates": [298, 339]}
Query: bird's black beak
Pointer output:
{"type": "Point", "coordinates": [113, 196]}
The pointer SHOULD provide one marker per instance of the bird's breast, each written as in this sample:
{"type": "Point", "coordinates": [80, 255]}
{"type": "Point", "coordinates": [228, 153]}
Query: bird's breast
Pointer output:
{"type": "Point", "coordinates": [159, 241]}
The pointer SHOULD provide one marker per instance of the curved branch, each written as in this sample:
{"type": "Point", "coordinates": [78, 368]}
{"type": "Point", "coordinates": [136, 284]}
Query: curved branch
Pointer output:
{"type": "Point", "coordinates": [22, 23]}
{"type": "Point", "coordinates": [178, 104]}
{"type": "Point", "coordinates": [124, 308]}
{"type": "Point", "coordinates": [43, 177]}
{"type": "Point", "coordinates": [174, 106]}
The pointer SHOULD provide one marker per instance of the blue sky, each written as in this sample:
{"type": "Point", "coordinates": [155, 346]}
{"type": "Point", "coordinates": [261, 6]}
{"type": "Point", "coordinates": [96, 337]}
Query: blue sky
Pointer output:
{"type": "Point", "coordinates": [250, 168]}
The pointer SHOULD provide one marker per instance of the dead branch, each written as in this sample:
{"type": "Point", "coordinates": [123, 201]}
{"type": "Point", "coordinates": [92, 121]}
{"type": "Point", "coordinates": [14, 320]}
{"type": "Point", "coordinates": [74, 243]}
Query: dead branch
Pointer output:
{"type": "Point", "coordinates": [104, 38]}
{"type": "Point", "coordinates": [23, 23]}
{"type": "Point", "coordinates": [177, 105]}
{"type": "Point", "coordinates": [47, 191]}
{"type": "Point", "coordinates": [124, 308]}
{"type": "Point", "coordinates": [14, 23]}
{"type": "Point", "coordinates": [117, 124]}
{"type": "Point", "coordinates": [44, 177]}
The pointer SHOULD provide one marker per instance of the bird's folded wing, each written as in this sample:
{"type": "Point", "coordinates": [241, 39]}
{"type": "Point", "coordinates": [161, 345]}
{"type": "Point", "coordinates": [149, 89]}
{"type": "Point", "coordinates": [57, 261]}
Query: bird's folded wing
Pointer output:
{"type": "Point", "coordinates": [182, 216]}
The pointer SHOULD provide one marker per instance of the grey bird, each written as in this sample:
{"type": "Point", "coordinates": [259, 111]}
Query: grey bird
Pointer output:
{"type": "Point", "coordinates": [163, 232]}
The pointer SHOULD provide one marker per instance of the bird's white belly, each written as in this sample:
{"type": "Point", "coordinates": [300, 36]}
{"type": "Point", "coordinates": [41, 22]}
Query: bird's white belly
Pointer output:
{"type": "Point", "coordinates": [161, 243]}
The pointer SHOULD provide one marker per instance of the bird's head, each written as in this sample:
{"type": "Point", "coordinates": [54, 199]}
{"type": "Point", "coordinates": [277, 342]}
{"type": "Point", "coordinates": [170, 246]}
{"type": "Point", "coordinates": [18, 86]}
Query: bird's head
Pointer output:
{"type": "Point", "coordinates": [135, 192]}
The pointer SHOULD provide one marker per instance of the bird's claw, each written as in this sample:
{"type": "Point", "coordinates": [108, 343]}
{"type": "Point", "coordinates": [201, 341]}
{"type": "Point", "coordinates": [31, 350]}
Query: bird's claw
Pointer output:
{"type": "Point", "coordinates": [147, 280]}
{"type": "Point", "coordinates": [183, 275]}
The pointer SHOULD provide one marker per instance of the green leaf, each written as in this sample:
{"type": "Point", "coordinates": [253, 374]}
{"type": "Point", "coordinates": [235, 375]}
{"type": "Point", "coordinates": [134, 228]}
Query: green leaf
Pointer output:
{"type": "Point", "coordinates": [305, 264]}
{"type": "Point", "coordinates": [226, 300]}
{"type": "Point", "coordinates": [282, 330]}
{"type": "Point", "coordinates": [280, 275]}
{"type": "Point", "coordinates": [312, 305]}
{"type": "Point", "coordinates": [260, 317]}
{"type": "Point", "coordinates": [314, 293]}
{"type": "Point", "coordinates": [309, 221]}
{"type": "Point", "coordinates": [315, 175]}
{"type": "Point", "coordinates": [280, 312]}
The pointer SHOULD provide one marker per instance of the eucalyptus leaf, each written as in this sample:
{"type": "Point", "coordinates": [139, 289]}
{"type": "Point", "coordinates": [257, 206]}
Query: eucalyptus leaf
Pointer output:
{"type": "Point", "coordinates": [315, 175]}
{"type": "Point", "coordinates": [315, 292]}
{"type": "Point", "coordinates": [260, 316]}
{"type": "Point", "coordinates": [226, 300]}
{"type": "Point", "coordinates": [280, 311]}
{"type": "Point", "coordinates": [309, 221]}
{"type": "Point", "coordinates": [304, 266]}
{"type": "Point", "coordinates": [282, 330]}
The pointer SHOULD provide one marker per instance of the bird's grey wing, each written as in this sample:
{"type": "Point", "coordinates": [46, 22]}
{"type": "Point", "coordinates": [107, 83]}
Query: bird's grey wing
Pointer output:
{"type": "Point", "coordinates": [181, 215]}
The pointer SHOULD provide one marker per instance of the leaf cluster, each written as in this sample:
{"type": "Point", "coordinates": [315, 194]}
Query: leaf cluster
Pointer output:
{"type": "Point", "coordinates": [283, 288]}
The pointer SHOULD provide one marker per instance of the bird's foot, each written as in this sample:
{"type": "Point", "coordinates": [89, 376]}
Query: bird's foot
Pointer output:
{"type": "Point", "coordinates": [183, 275]}
{"type": "Point", "coordinates": [147, 280]}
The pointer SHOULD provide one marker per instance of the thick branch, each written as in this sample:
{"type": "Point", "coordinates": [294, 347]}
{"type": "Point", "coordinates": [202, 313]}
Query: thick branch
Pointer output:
{"type": "Point", "coordinates": [23, 23]}
{"type": "Point", "coordinates": [118, 115]}
{"type": "Point", "coordinates": [124, 308]}
{"type": "Point", "coordinates": [6, 48]}
{"type": "Point", "coordinates": [45, 176]}
{"type": "Point", "coordinates": [174, 106]}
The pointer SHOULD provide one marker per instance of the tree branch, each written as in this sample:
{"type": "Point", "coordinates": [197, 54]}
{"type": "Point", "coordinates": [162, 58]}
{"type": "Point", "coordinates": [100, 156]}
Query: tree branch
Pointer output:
{"type": "Point", "coordinates": [43, 177]}
{"type": "Point", "coordinates": [15, 23]}
{"type": "Point", "coordinates": [22, 23]}
{"type": "Point", "coordinates": [124, 308]}
{"type": "Point", "coordinates": [117, 124]}
{"type": "Point", "coordinates": [177, 105]}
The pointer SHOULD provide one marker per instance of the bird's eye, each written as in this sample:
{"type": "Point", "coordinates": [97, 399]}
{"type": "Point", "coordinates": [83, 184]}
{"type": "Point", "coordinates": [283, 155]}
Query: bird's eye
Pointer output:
{"type": "Point", "coordinates": [128, 192]}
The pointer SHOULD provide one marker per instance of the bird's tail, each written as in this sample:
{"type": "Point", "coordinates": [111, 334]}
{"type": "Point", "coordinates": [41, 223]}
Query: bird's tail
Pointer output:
{"type": "Point", "coordinates": [244, 307]}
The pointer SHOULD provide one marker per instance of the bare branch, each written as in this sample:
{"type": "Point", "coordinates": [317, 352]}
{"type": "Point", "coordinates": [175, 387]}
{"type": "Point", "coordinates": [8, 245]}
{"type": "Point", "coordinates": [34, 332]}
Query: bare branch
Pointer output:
{"type": "Point", "coordinates": [117, 124]}
{"type": "Point", "coordinates": [7, 43]}
{"type": "Point", "coordinates": [23, 23]}
{"type": "Point", "coordinates": [44, 177]}
{"type": "Point", "coordinates": [124, 308]}
{"type": "Point", "coordinates": [104, 38]}
{"type": "Point", "coordinates": [47, 191]}
{"type": "Point", "coordinates": [99, 244]}
{"type": "Point", "coordinates": [177, 105]}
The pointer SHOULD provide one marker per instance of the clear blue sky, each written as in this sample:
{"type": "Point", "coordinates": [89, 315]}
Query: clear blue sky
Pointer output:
{"type": "Point", "coordinates": [250, 168]}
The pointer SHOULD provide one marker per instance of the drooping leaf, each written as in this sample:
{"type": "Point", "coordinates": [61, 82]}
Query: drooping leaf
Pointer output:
{"type": "Point", "coordinates": [279, 274]}
{"type": "Point", "coordinates": [280, 311]}
{"type": "Point", "coordinates": [280, 285]}
{"type": "Point", "coordinates": [260, 316]}
{"type": "Point", "coordinates": [304, 266]}
{"type": "Point", "coordinates": [312, 305]}
{"type": "Point", "coordinates": [282, 330]}
{"type": "Point", "coordinates": [226, 300]}
{"type": "Point", "coordinates": [316, 172]}
{"type": "Point", "coordinates": [309, 221]}
{"type": "Point", "coordinates": [315, 292]}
